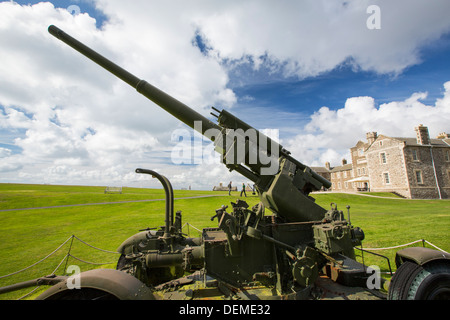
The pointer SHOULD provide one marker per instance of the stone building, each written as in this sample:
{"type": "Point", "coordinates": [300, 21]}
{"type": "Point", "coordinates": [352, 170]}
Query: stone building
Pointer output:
{"type": "Point", "coordinates": [416, 168]}
{"type": "Point", "coordinates": [412, 167]}
{"type": "Point", "coordinates": [223, 187]}
{"type": "Point", "coordinates": [323, 171]}
{"type": "Point", "coordinates": [360, 182]}
{"type": "Point", "coordinates": [341, 175]}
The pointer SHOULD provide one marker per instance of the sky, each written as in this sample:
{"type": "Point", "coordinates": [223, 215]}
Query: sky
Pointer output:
{"type": "Point", "coordinates": [319, 74]}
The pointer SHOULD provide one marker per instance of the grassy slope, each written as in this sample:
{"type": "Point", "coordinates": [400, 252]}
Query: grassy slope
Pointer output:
{"type": "Point", "coordinates": [29, 235]}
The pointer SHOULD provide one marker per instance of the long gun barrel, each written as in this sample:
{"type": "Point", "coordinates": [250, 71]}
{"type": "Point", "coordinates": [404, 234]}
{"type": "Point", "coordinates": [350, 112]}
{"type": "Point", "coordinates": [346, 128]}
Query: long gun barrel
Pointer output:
{"type": "Point", "coordinates": [283, 182]}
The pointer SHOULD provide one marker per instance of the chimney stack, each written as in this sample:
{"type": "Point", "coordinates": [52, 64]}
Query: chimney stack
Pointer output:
{"type": "Point", "coordinates": [371, 137]}
{"type": "Point", "coordinates": [423, 137]}
{"type": "Point", "coordinates": [328, 165]}
{"type": "Point", "coordinates": [344, 162]}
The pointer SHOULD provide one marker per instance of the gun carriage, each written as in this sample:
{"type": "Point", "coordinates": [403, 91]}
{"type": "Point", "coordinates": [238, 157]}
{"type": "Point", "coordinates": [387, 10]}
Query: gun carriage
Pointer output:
{"type": "Point", "coordinates": [298, 251]}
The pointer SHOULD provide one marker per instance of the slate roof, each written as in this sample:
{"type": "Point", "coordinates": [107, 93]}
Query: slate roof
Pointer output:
{"type": "Point", "coordinates": [345, 167]}
{"type": "Point", "coordinates": [412, 142]}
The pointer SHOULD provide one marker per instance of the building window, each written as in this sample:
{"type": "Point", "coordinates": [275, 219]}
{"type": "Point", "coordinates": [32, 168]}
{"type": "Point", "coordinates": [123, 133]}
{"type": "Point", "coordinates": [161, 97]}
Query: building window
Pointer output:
{"type": "Point", "coordinates": [414, 155]}
{"type": "Point", "coordinates": [447, 156]}
{"type": "Point", "coordinates": [346, 185]}
{"type": "Point", "coordinates": [381, 143]}
{"type": "Point", "coordinates": [419, 179]}
{"type": "Point", "coordinates": [345, 174]}
{"type": "Point", "coordinates": [383, 157]}
{"type": "Point", "coordinates": [386, 178]}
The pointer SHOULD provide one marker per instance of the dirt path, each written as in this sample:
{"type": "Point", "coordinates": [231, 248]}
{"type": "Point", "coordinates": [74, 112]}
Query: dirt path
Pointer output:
{"type": "Point", "coordinates": [361, 194]}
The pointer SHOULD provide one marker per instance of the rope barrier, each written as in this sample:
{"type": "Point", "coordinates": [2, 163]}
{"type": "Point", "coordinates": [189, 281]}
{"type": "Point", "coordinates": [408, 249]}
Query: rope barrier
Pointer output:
{"type": "Point", "coordinates": [66, 256]}
{"type": "Point", "coordinates": [43, 259]}
{"type": "Point", "coordinates": [394, 247]}
{"type": "Point", "coordinates": [405, 245]}
{"type": "Point", "coordinates": [54, 271]}
{"type": "Point", "coordinates": [29, 293]}
{"type": "Point", "coordinates": [93, 263]}
{"type": "Point", "coordinates": [95, 247]}
{"type": "Point", "coordinates": [190, 225]}
{"type": "Point", "coordinates": [435, 246]}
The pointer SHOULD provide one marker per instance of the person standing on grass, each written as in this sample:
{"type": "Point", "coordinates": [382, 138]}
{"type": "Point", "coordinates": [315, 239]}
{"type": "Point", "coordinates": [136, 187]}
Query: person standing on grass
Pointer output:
{"type": "Point", "coordinates": [229, 189]}
{"type": "Point", "coordinates": [243, 190]}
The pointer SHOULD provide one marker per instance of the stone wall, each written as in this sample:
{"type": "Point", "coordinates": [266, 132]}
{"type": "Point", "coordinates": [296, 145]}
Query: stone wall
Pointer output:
{"type": "Point", "coordinates": [386, 165]}
{"type": "Point", "coordinates": [340, 177]}
{"type": "Point", "coordinates": [359, 162]}
{"type": "Point", "coordinates": [420, 172]}
{"type": "Point", "coordinates": [417, 168]}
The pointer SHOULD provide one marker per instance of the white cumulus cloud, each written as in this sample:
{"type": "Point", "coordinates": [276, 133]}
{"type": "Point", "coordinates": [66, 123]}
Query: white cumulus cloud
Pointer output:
{"type": "Point", "coordinates": [330, 133]}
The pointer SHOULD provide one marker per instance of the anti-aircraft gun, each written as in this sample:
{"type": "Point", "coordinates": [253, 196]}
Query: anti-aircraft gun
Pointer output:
{"type": "Point", "coordinates": [286, 255]}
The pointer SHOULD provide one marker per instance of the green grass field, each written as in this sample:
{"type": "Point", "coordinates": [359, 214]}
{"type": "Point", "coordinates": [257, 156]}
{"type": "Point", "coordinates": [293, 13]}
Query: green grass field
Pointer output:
{"type": "Point", "coordinates": [27, 236]}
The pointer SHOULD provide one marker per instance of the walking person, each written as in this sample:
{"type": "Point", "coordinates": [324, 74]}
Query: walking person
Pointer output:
{"type": "Point", "coordinates": [243, 190]}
